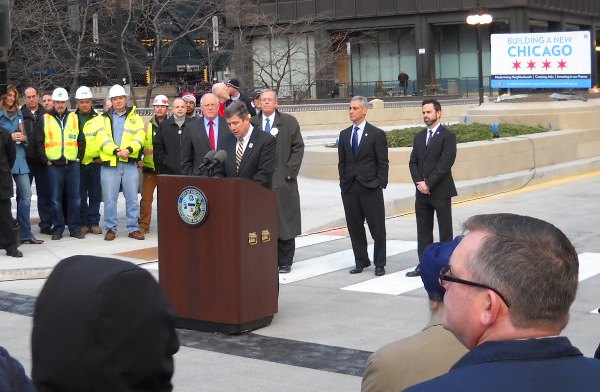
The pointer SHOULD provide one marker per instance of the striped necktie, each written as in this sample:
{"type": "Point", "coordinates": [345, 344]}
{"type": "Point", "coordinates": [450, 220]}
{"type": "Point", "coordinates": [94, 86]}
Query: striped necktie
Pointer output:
{"type": "Point", "coordinates": [239, 153]}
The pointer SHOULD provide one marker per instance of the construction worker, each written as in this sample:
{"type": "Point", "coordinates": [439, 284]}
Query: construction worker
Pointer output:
{"type": "Point", "coordinates": [161, 106]}
{"type": "Point", "coordinates": [121, 140]}
{"type": "Point", "coordinates": [62, 147]}
{"type": "Point", "coordinates": [90, 188]}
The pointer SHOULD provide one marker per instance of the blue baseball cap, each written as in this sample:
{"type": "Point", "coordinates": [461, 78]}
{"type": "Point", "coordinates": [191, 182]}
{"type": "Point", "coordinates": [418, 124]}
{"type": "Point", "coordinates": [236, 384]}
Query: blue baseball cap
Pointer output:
{"type": "Point", "coordinates": [435, 257]}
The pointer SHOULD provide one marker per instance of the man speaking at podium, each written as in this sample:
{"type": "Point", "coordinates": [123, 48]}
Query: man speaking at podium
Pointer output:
{"type": "Point", "coordinates": [250, 154]}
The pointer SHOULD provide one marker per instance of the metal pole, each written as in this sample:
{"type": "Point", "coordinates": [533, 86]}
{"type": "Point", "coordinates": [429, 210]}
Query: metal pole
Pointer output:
{"type": "Point", "coordinates": [351, 73]}
{"type": "Point", "coordinates": [479, 65]}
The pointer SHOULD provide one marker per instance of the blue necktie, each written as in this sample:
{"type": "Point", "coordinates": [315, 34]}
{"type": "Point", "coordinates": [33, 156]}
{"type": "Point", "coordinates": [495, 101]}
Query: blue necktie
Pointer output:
{"type": "Point", "coordinates": [355, 141]}
{"type": "Point", "coordinates": [267, 125]}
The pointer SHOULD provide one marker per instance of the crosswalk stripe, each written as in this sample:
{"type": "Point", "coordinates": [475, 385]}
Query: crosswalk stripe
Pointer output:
{"type": "Point", "coordinates": [392, 284]}
{"type": "Point", "coordinates": [315, 239]}
{"type": "Point", "coordinates": [397, 283]}
{"type": "Point", "coordinates": [589, 265]}
{"type": "Point", "coordinates": [336, 261]}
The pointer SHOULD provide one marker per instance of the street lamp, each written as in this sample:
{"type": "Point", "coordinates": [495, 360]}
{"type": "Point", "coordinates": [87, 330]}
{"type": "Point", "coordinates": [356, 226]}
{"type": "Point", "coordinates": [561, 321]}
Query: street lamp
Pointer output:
{"type": "Point", "coordinates": [479, 17]}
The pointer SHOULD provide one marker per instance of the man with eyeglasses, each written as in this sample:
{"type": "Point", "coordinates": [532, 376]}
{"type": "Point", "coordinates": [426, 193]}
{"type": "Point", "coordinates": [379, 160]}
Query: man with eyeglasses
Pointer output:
{"type": "Point", "coordinates": [427, 354]}
{"type": "Point", "coordinates": [509, 287]}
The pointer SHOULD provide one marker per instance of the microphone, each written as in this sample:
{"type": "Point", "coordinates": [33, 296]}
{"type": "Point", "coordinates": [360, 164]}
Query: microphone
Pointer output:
{"type": "Point", "coordinates": [219, 159]}
{"type": "Point", "coordinates": [208, 158]}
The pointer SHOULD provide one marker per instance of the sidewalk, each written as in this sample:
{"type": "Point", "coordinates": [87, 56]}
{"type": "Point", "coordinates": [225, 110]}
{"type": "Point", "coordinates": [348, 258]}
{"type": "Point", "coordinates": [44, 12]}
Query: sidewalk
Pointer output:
{"type": "Point", "coordinates": [321, 210]}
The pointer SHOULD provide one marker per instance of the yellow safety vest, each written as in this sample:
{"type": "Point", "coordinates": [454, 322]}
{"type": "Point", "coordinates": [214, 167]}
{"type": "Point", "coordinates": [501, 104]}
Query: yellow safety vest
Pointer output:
{"type": "Point", "coordinates": [133, 138]}
{"type": "Point", "coordinates": [148, 147]}
{"type": "Point", "coordinates": [90, 130]}
{"type": "Point", "coordinates": [59, 142]}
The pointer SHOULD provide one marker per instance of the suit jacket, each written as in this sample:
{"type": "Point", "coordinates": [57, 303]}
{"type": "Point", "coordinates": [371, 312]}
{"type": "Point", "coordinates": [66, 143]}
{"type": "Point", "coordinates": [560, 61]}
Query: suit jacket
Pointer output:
{"type": "Point", "coordinates": [371, 165]}
{"type": "Point", "coordinates": [258, 161]}
{"type": "Point", "coordinates": [412, 360]}
{"type": "Point", "coordinates": [433, 163]}
{"type": "Point", "coordinates": [546, 364]}
{"type": "Point", "coordinates": [290, 151]}
{"type": "Point", "coordinates": [167, 146]}
{"type": "Point", "coordinates": [195, 144]}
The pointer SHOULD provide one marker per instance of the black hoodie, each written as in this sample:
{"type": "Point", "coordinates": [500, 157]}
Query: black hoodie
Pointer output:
{"type": "Point", "coordinates": [102, 325]}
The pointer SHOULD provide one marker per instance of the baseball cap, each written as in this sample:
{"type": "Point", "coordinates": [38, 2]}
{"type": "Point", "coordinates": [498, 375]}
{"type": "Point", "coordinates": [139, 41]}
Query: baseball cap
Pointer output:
{"type": "Point", "coordinates": [233, 83]}
{"type": "Point", "coordinates": [188, 97]}
{"type": "Point", "coordinates": [256, 93]}
{"type": "Point", "coordinates": [435, 257]}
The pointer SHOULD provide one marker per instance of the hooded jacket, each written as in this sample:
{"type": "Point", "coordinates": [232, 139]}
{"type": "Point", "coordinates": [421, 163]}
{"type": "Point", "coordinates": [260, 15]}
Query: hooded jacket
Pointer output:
{"type": "Point", "coordinates": [100, 325]}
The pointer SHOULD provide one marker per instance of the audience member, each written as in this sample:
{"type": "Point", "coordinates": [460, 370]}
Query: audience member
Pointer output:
{"type": "Point", "coordinates": [429, 353]}
{"type": "Point", "coordinates": [102, 324]}
{"type": "Point", "coordinates": [509, 287]}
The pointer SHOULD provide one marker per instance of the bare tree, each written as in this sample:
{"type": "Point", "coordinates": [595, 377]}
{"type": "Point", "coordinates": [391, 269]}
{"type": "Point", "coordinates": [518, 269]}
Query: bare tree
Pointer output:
{"type": "Point", "coordinates": [287, 56]}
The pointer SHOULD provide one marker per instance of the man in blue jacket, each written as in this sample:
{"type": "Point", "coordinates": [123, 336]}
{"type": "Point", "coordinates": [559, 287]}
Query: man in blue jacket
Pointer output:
{"type": "Point", "coordinates": [509, 287]}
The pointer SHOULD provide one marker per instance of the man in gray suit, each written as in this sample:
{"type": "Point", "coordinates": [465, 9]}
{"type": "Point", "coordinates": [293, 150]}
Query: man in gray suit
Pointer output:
{"type": "Point", "coordinates": [202, 135]}
{"type": "Point", "coordinates": [428, 354]}
{"type": "Point", "coordinates": [290, 151]}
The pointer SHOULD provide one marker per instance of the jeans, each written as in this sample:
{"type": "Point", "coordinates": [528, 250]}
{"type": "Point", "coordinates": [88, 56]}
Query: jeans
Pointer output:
{"type": "Point", "coordinates": [42, 190]}
{"type": "Point", "coordinates": [91, 194]}
{"type": "Point", "coordinates": [125, 174]}
{"type": "Point", "coordinates": [23, 204]}
{"type": "Point", "coordinates": [65, 179]}
{"type": "Point", "coordinates": [148, 187]}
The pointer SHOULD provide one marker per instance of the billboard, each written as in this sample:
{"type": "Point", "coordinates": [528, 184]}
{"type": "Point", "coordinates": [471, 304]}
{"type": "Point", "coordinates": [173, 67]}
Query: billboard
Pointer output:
{"type": "Point", "coordinates": [541, 60]}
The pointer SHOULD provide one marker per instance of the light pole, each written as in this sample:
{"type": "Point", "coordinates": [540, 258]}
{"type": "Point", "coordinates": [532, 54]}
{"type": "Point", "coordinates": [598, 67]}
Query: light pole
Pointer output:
{"type": "Point", "coordinates": [479, 17]}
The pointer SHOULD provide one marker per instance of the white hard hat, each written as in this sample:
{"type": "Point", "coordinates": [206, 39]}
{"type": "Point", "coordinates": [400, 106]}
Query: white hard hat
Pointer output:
{"type": "Point", "coordinates": [116, 91]}
{"type": "Point", "coordinates": [83, 92]}
{"type": "Point", "coordinates": [60, 94]}
{"type": "Point", "coordinates": [161, 100]}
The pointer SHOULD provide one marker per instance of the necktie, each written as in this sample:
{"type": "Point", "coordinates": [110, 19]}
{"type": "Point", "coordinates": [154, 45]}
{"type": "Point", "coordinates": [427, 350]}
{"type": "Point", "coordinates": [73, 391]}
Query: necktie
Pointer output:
{"type": "Point", "coordinates": [211, 135]}
{"type": "Point", "coordinates": [267, 125]}
{"type": "Point", "coordinates": [355, 141]}
{"type": "Point", "coordinates": [429, 137]}
{"type": "Point", "coordinates": [239, 153]}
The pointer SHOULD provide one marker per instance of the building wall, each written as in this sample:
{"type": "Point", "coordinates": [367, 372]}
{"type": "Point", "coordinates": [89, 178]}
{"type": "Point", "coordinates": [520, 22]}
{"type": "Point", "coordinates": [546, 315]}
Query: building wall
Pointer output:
{"type": "Point", "coordinates": [428, 38]}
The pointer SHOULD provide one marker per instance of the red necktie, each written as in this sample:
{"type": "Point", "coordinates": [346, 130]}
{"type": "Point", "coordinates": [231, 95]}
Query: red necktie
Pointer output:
{"type": "Point", "coordinates": [211, 135]}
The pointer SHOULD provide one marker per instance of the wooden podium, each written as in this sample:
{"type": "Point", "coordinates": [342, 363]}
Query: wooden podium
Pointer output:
{"type": "Point", "coordinates": [220, 275]}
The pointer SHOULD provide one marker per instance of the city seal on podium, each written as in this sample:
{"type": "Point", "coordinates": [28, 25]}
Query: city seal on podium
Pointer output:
{"type": "Point", "coordinates": [192, 206]}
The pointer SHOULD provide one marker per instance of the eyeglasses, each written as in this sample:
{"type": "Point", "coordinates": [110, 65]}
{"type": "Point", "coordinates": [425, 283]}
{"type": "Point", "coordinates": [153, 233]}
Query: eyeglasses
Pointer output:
{"type": "Point", "coordinates": [445, 275]}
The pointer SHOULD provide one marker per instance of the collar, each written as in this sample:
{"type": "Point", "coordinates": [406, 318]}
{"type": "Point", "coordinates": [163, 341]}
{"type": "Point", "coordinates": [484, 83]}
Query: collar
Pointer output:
{"type": "Point", "coordinates": [519, 350]}
{"type": "Point", "coordinates": [247, 137]}
{"type": "Point", "coordinates": [434, 129]}
{"type": "Point", "coordinates": [361, 126]}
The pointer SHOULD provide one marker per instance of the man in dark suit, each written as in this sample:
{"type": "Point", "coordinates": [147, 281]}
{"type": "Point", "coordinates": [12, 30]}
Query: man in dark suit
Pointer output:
{"type": "Point", "coordinates": [363, 167]}
{"type": "Point", "coordinates": [430, 164]}
{"type": "Point", "coordinates": [199, 138]}
{"type": "Point", "coordinates": [250, 153]}
{"type": "Point", "coordinates": [290, 151]}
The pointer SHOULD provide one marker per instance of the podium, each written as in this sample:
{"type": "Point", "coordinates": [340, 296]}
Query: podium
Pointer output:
{"type": "Point", "coordinates": [219, 274]}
